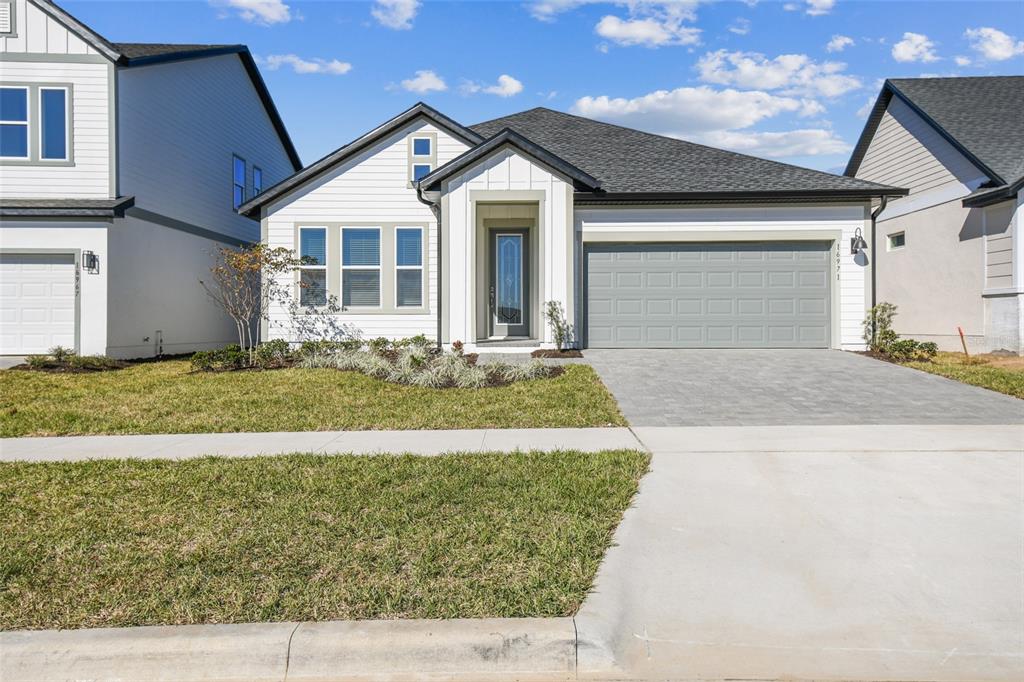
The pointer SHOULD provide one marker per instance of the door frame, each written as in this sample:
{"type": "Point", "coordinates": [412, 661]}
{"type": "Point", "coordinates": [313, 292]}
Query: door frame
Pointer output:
{"type": "Point", "coordinates": [493, 328]}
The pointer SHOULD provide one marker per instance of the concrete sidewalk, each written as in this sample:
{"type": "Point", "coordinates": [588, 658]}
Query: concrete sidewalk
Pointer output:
{"type": "Point", "coordinates": [185, 446]}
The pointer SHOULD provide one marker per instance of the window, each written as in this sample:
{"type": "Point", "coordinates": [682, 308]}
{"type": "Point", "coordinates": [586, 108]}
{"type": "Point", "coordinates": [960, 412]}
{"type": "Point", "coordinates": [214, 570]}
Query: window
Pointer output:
{"type": "Point", "coordinates": [237, 180]}
{"type": "Point", "coordinates": [7, 18]}
{"type": "Point", "coordinates": [360, 267]}
{"type": "Point", "coordinates": [257, 180]}
{"type": "Point", "coordinates": [14, 123]}
{"type": "Point", "coordinates": [408, 267]}
{"type": "Point", "coordinates": [313, 271]}
{"type": "Point", "coordinates": [53, 126]}
{"type": "Point", "coordinates": [897, 240]}
{"type": "Point", "coordinates": [421, 146]}
{"type": "Point", "coordinates": [420, 171]}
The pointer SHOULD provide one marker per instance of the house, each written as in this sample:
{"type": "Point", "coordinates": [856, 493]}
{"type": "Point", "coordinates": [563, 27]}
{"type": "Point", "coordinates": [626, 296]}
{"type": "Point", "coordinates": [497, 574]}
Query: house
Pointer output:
{"type": "Point", "coordinates": [950, 254]}
{"type": "Point", "coordinates": [463, 233]}
{"type": "Point", "coordinates": [120, 169]}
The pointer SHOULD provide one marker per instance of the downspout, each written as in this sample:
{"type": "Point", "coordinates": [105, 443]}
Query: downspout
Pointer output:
{"type": "Point", "coordinates": [435, 208]}
{"type": "Point", "coordinates": [874, 246]}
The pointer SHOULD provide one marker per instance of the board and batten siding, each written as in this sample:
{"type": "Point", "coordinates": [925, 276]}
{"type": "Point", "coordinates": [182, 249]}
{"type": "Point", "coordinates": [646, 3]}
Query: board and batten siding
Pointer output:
{"type": "Point", "coordinates": [369, 188]}
{"type": "Point", "coordinates": [180, 123]}
{"type": "Point", "coordinates": [751, 224]}
{"type": "Point", "coordinates": [508, 170]}
{"type": "Point", "coordinates": [999, 245]}
{"type": "Point", "coordinates": [89, 175]}
{"type": "Point", "coordinates": [36, 32]}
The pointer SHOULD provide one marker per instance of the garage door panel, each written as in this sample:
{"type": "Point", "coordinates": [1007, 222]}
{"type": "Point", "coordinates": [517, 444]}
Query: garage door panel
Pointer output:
{"type": "Point", "coordinates": [37, 302]}
{"type": "Point", "coordinates": [756, 295]}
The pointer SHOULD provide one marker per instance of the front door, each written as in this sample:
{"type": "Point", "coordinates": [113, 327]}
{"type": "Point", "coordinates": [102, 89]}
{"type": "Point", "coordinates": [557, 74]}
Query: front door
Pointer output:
{"type": "Point", "coordinates": [509, 285]}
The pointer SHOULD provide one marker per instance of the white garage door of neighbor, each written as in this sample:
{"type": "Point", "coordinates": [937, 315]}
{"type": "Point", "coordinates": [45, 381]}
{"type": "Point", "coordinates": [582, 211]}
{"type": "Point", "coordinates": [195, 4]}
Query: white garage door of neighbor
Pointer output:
{"type": "Point", "coordinates": [37, 302]}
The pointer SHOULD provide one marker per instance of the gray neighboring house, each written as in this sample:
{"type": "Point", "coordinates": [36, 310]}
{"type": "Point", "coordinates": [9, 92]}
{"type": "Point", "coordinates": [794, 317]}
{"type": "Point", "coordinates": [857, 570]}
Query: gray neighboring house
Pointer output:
{"type": "Point", "coordinates": [951, 253]}
{"type": "Point", "coordinates": [121, 165]}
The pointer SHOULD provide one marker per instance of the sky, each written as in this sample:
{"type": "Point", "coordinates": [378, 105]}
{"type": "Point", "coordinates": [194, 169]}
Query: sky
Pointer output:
{"type": "Point", "coordinates": [788, 80]}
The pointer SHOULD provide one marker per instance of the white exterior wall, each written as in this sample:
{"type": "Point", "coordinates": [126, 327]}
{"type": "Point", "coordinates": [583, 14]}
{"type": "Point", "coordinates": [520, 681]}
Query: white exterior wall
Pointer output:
{"type": "Point", "coordinates": [818, 223]}
{"type": "Point", "coordinates": [370, 188]}
{"type": "Point", "coordinates": [156, 301]}
{"type": "Point", "coordinates": [507, 171]}
{"type": "Point", "coordinates": [71, 237]}
{"type": "Point", "coordinates": [179, 124]}
{"type": "Point", "coordinates": [31, 58]}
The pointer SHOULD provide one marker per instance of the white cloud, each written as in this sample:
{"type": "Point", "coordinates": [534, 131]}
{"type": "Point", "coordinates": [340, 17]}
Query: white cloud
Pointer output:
{"type": "Point", "coordinates": [795, 74]}
{"type": "Point", "coordinates": [866, 109]}
{"type": "Point", "coordinates": [649, 32]}
{"type": "Point", "coordinates": [547, 10]}
{"type": "Point", "coordinates": [962, 61]}
{"type": "Point", "coordinates": [818, 7]}
{"type": "Point", "coordinates": [507, 86]}
{"type": "Point", "coordinates": [915, 47]}
{"type": "Point", "coordinates": [264, 12]}
{"type": "Point", "coordinates": [791, 7]}
{"type": "Point", "coordinates": [425, 81]}
{"type": "Point", "coordinates": [740, 27]}
{"type": "Point", "coordinates": [790, 143]}
{"type": "Point", "coordinates": [689, 110]}
{"type": "Point", "coordinates": [299, 65]}
{"type": "Point", "coordinates": [993, 44]}
{"type": "Point", "coordinates": [396, 14]}
{"type": "Point", "coordinates": [839, 43]}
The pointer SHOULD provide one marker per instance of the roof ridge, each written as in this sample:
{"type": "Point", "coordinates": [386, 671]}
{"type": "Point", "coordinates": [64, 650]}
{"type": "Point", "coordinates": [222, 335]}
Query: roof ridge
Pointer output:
{"type": "Point", "coordinates": [670, 139]}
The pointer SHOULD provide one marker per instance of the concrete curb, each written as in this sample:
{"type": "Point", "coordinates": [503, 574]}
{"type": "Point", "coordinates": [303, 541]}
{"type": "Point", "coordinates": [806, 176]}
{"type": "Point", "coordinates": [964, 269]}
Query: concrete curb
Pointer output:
{"type": "Point", "coordinates": [493, 649]}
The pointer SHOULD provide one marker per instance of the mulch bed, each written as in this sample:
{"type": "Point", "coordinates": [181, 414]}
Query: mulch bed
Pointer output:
{"type": "Point", "coordinates": [552, 353]}
{"type": "Point", "coordinates": [54, 367]}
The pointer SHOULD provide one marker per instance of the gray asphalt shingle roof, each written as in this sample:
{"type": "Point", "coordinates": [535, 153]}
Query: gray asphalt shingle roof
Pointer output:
{"type": "Point", "coordinates": [632, 161]}
{"type": "Point", "coordinates": [140, 50]}
{"type": "Point", "coordinates": [12, 207]}
{"type": "Point", "coordinates": [984, 114]}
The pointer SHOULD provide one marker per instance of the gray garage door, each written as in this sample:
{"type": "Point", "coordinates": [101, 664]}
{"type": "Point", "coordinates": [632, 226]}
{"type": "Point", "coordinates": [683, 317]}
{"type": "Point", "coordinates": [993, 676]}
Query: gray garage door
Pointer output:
{"type": "Point", "coordinates": [707, 295]}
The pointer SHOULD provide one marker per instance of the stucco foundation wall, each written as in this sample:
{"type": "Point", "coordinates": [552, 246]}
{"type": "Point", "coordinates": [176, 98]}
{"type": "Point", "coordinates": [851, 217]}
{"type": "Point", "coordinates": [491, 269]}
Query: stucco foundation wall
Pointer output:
{"type": "Point", "coordinates": [70, 237]}
{"type": "Point", "coordinates": [154, 274]}
{"type": "Point", "coordinates": [936, 280]}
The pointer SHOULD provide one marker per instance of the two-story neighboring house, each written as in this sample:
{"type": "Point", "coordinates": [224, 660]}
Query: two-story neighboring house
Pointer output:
{"type": "Point", "coordinates": [121, 166]}
{"type": "Point", "coordinates": [951, 253]}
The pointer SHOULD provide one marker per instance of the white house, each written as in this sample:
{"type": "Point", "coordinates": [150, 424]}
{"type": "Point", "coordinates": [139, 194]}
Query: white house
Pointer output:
{"type": "Point", "coordinates": [120, 169]}
{"type": "Point", "coordinates": [426, 226]}
{"type": "Point", "coordinates": [951, 254]}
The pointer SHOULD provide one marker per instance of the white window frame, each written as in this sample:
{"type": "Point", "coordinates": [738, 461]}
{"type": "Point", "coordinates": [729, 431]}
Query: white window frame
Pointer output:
{"type": "Point", "coordinates": [27, 123]}
{"type": "Point", "coordinates": [893, 247]}
{"type": "Point", "coordinates": [378, 267]}
{"type": "Point", "coordinates": [67, 122]}
{"type": "Point", "coordinates": [420, 267]}
{"type": "Point", "coordinates": [257, 191]}
{"type": "Point", "coordinates": [429, 155]}
{"type": "Point", "coordinates": [413, 177]}
{"type": "Point", "coordinates": [236, 157]}
{"type": "Point", "coordinates": [302, 267]}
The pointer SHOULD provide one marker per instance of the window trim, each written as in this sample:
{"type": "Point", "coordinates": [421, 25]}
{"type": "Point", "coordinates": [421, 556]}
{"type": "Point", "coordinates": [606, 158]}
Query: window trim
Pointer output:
{"type": "Point", "coordinates": [430, 141]}
{"type": "Point", "coordinates": [327, 260]}
{"type": "Point", "coordinates": [420, 267]}
{"type": "Point", "coordinates": [894, 247]}
{"type": "Point", "coordinates": [13, 33]}
{"type": "Point", "coordinates": [67, 122]}
{"type": "Point", "coordinates": [27, 123]}
{"type": "Point", "coordinates": [255, 170]}
{"type": "Point", "coordinates": [413, 160]}
{"type": "Point", "coordinates": [234, 184]}
{"type": "Point", "coordinates": [379, 267]}
{"type": "Point", "coordinates": [34, 136]}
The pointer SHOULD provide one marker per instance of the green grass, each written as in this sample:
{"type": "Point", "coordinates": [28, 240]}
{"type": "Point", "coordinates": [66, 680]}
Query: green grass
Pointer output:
{"type": "Point", "coordinates": [1005, 375]}
{"type": "Point", "coordinates": [304, 537]}
{"type": "Point", "coordinates": [165, 397]}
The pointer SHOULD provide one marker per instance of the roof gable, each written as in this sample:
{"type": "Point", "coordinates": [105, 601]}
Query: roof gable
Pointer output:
{"type": "Point", "coordinates": [507, 137]}
{"type": "Point", "coordinates": [979, 116]}
{"type": "Point", "coordinates": [634, 162]}
{"type": "Point", "coordinates": [317, 168]}
{"type": "Point", "coordinates": [95, 40]}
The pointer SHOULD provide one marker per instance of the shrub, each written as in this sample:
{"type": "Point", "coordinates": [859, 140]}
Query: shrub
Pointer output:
{"type": "Point", "coordinates": [524, 371]}
{"type": "Point", "coordinates": [274, 353]}
{"type": "Point", "coordinates": [418, 341]}
{"type": "Point", "coordinates": [93, 362]}
{"type": "Point", "coordinates": [903, 350]}
{"type": "Point", "coordinates": [223, 359]}
{"type": "Point", "coordinates": [379, 345]}
{"type": "Point", "coordinates": [561, 329]}
{"type": "Point", "coordinates": [38, 361]}
{"type": "Point", "coordinates": [325, 347]}
{"type": "Point", "coordinates": [878, 331]}
{"type": "Point", "coordinates": [61, 354]}
{"type": "Point", "coordinates": [458, 347]}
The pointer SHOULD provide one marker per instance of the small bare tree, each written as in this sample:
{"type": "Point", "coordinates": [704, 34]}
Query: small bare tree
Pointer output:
{"type": "Point", "coordinates": [242, 279]}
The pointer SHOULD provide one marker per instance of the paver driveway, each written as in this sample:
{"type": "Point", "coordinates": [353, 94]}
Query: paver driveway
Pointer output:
{"type": "Point", "coordinates": [779, 387]}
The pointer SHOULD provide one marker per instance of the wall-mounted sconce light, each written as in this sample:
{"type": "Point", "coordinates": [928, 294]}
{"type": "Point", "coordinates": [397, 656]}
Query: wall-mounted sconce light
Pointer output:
{"type": "Point", "coordinates": [90, 262]}
{"type": "Point", "coordinates": [857, 243]}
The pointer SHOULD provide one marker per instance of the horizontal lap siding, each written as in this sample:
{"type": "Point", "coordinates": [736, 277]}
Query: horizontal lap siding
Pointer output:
{"type": "Point", "coordinates": [372, 187]}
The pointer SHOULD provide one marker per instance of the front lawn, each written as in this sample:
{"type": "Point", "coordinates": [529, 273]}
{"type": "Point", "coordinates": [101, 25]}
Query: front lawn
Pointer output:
{"type": "Point", "coordinates": [305, 537]}
{"type": "Point", "coordinates": [166, 397]}
{"type": "Point", "coordinates": [998, 373]}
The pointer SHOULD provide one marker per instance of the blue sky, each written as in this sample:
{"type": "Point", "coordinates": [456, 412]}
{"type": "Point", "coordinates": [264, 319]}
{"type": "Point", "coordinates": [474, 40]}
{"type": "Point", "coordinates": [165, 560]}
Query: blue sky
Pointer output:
{"type": "Point", "coordinates": [786, 80]}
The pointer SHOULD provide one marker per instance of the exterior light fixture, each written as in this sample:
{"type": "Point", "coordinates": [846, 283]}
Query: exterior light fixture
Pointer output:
{"type": "Point", "coordinates": [90, 262]}
{"type": "Point", "coordinates": [857, 243]}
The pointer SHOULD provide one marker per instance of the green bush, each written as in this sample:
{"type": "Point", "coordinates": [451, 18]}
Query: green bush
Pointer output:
{"type": "Point", "coordinates": [93, 362]}
{"type": "Point", "coordinates": [904, 350]}
{"type": "Point", "coordinates": [223, 359]}
{"type": "Point", "coordinates": [883, 339]}
{"type": "Point", "coordinates": [323, 347]}
{"type": "Point", "coordinates": [379, 345]}
{"type": "Point", "coordinates": [61, 354]}
{"type": "Point", "coordinates": [38, 361]}
{"type": "Point", "coordinates": [274, 353]}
